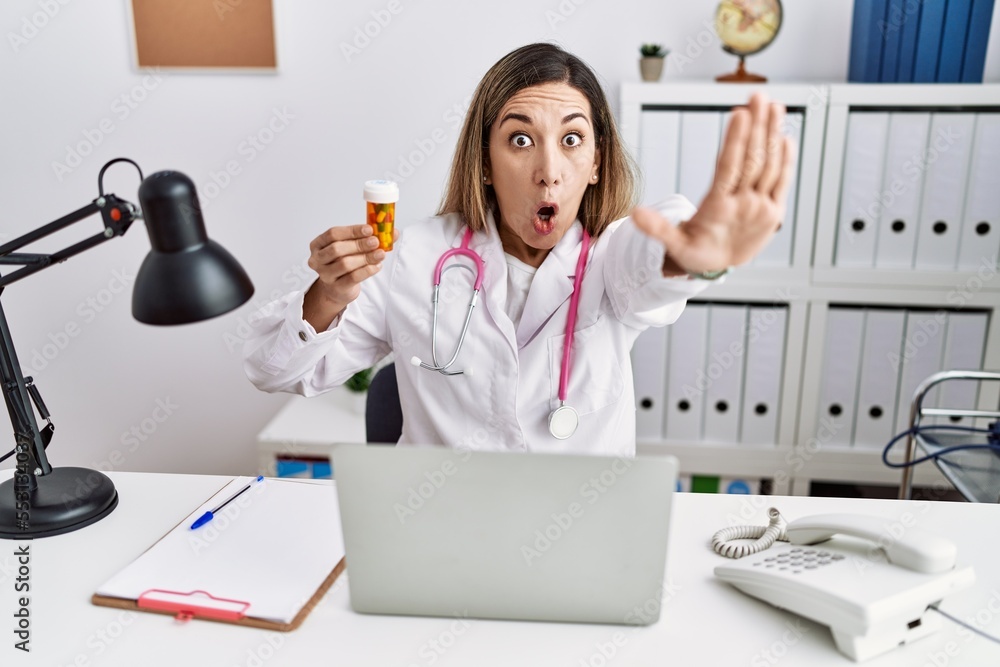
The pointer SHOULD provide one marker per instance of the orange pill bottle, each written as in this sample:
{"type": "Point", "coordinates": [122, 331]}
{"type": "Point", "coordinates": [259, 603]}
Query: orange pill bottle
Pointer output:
{"type": "Point", "coordinates": [381, 198]}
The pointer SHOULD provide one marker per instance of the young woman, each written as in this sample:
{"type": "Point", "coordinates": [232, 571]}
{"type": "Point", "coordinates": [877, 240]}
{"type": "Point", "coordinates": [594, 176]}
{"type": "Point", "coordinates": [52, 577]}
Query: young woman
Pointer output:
{"type": "Point", "coordinates": [539, 191]}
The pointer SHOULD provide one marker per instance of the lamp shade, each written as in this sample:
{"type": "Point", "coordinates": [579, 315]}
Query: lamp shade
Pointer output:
{"type": "Point", "coordinates": [186, 277]}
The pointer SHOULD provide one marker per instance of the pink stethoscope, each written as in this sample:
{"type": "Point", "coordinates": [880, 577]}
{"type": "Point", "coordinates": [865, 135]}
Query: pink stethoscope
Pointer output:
{"type": "Point", "coordinates": [564, 419]}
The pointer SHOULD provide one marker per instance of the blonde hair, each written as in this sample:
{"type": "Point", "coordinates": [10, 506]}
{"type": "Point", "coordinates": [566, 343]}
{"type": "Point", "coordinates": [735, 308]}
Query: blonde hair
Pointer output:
{"type": "Point", "coordinates": [604, 202]}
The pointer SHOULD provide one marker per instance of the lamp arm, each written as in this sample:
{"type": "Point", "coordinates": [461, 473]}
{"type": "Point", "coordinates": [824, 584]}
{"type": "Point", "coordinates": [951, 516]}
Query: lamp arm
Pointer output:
{"type": "Point", "coordinates": [117, 214]}
{"type": "Point", "coordinates": [18, 391]}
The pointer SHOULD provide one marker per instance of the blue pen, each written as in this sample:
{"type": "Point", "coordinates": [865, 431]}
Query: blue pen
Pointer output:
{"type": "Point", "coordinates": [208, 516]}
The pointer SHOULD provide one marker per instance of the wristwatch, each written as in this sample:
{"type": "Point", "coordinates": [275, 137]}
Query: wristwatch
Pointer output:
{"type": "Point", "coordinates": [711, 275]}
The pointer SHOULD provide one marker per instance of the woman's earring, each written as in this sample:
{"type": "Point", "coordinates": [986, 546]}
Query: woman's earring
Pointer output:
{"type": "Point", "coordinates": [594, 178]}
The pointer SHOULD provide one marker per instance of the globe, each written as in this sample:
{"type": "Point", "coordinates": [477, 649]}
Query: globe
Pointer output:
{"type": "Point", "coordinates": [746, 27]}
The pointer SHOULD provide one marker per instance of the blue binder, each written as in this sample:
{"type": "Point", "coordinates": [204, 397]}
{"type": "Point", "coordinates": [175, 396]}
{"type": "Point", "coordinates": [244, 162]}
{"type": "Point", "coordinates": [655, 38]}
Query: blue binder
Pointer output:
{"type": "Point", "coordinates": [889, 29]}
{"type": "Point", "coordinates": [908, 42]}
{"type": "Point", "coordinates": [953, 37]}
{"type": "Point", "coordinates": [979, 36]}
{"type": "Point", "coordinates": [866, 40]}
{"type": "Point", "coordinates": [929, 41]}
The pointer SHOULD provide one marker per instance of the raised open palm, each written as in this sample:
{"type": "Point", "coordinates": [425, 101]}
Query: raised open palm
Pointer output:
{"type": "Point", "coordinates": [746, 203]}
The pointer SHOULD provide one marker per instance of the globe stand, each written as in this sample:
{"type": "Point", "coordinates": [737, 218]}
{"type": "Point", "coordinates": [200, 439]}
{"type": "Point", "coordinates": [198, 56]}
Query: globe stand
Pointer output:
{"type": "Point", "coordinates": [741, 75]}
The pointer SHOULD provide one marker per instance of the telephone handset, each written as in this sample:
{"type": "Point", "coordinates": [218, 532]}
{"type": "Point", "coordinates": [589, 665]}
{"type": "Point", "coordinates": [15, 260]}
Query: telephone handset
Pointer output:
{"type": "Point", "coordinates": [873, 590]}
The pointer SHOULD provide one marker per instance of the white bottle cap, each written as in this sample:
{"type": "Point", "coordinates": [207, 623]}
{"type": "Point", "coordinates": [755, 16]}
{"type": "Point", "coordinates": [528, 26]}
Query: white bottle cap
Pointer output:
{"type": "Point", "coordinates": [381, 192]}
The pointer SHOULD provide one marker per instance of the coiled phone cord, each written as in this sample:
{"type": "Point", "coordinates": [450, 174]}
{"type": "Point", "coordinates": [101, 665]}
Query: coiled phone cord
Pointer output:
{"type": "Point", "coordinates": [724, 541]}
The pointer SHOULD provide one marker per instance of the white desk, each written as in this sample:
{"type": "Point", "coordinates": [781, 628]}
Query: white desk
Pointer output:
{"type": "Point", "coordinates": [308, 426]}
{"type": "Point", "coordinates": [704, 622]}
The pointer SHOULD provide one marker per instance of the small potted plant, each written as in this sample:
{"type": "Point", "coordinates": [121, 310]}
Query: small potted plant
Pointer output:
{"type": "Point", "coordinates": [651, 63]}
{"type": "Point", "coordinates": [358, 385]}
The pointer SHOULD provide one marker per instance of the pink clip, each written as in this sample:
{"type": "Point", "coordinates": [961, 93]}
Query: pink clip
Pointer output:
{"type": "Point", "coordinates": [185, 606]}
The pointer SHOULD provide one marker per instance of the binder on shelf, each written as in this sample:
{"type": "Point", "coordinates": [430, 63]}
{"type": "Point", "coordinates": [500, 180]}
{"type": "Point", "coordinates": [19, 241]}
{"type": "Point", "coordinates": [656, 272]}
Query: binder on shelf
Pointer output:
{"type": "Point", "coordinates": [980, 241]}
{"type": "Point", "coordinates": [686, 361]}
{"type": "Point", "coordinates": [762, 379]}
{"type": "Point", "coordinates": [704, 484]}
{"type": "Point", "coordinates": [741, 486]}
{"type": "Point", "coordinates": [938, 233]}
{"type": "Point", "coordinates": [779, 251]}
{"type": "Point", "coordinates": [974, 62]}
{"type": "Point", "coordinates": [699, 149]}
{"type": "Point", "coordinates": [954, 34]}
{"type": "Point", "coordinates": [683, 484]}
{"type": "Point", "coordinates": [659, 151]}
{"type": "Point", "coordinates": [919, 358]}
{"type": "Point", "coordinates": [864, 160]}
{"type": "Point", "coordinates": [963, 350]}
{"type": "Point", "coordinates": [229, 571]}
{"type": "Point", "coordinates": [925, 62]}
{"type": "Point", "coordinates": [845, 329]}
{"type": "Point", "coordinates": [878, 388]}
{"type": "Point", "coordinates": [649, 370]}
{"type": "Point", "coordinates": [902, 188]}
{"type": "Point", "coordinates": [724, 373]}
{"type": "Point", "coordinates": [908, 41]}
{"type": "Point", "coordinates": [889, 29]}
{"type": "Point", "coordinates": [866, 41]}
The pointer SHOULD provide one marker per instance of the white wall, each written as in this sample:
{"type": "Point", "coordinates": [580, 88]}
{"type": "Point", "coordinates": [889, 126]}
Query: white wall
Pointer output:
{"type": "Point", "coordinates": [347, 121]}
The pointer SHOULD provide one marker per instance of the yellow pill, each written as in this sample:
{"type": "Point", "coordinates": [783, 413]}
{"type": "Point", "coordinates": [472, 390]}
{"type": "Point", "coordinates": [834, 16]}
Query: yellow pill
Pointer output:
{"type": "Point", "coordinates": [380, 217]}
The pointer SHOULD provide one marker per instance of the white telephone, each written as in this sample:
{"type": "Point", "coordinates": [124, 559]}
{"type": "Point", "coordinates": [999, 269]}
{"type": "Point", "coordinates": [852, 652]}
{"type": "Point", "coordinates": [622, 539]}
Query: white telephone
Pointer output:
{"type": "Point", "coordinates": [874, 597]}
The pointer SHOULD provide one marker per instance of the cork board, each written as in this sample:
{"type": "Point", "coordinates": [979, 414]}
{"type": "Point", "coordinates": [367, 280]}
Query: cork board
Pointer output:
{"type": "Point", "coordinates": [204, 33]}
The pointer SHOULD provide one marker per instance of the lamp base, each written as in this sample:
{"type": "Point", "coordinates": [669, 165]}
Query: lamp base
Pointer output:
{"type": "Point", "coordinates": [67, 499]}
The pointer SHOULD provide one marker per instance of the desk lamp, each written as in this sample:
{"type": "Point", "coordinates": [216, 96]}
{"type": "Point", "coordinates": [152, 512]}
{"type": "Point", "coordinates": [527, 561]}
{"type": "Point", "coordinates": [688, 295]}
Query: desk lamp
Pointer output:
{"type": "Point", "coordinates": [186, 277]}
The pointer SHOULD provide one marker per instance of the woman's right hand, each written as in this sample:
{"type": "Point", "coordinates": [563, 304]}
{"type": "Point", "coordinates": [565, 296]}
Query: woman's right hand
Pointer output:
{"type": "Point", "coordinates": [343, 257]}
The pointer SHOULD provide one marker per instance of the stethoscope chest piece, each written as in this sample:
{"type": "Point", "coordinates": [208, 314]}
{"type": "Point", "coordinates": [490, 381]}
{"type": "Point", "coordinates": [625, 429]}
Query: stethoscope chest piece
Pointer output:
{"type": "Point", "coordinates": [563, 422]}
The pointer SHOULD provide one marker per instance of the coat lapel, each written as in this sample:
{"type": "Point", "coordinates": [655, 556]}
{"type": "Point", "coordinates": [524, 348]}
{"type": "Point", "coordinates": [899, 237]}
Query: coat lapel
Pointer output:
{"type": "Point", "coordinates": [494, 292]}
{"type": "Point", "coordinates": [551, 286]}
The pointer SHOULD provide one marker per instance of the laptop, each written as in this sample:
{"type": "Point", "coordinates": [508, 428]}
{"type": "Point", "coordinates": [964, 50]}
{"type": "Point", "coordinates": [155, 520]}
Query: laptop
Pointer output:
{"type": "Point", "coordinates": [432, 531]}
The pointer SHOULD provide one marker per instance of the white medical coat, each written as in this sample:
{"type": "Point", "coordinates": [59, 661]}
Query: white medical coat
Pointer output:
{"type": "Point", "coordinates": [505, 404]}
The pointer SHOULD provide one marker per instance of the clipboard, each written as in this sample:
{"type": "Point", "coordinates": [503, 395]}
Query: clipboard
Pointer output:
{"type": "Point", "coordinates": [265, 560]}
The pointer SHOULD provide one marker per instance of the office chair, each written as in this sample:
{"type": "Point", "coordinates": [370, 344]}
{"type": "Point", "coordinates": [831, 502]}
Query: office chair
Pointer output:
{"type": "Point", "coordinates": [383, 414]}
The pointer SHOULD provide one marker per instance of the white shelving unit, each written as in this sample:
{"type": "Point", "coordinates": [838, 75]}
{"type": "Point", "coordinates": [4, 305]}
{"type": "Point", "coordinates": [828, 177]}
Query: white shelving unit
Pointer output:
{"type": "Point", "coordinates": [808, 286]}
{"type": "Point", "coordinates": [812, 281]}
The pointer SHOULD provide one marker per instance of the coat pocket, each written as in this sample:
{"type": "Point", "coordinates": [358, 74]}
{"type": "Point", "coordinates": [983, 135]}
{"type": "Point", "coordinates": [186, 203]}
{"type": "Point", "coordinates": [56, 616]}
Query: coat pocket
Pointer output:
{"type": "Point", "coordinates": [595, 374]}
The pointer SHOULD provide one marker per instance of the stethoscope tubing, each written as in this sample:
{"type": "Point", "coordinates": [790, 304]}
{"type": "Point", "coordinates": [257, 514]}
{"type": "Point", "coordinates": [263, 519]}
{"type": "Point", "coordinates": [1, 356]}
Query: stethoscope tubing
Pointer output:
{"type": "Point", "coordinates": [563, 430]}
{"type": "Point", "coordinates": [574, 305]}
